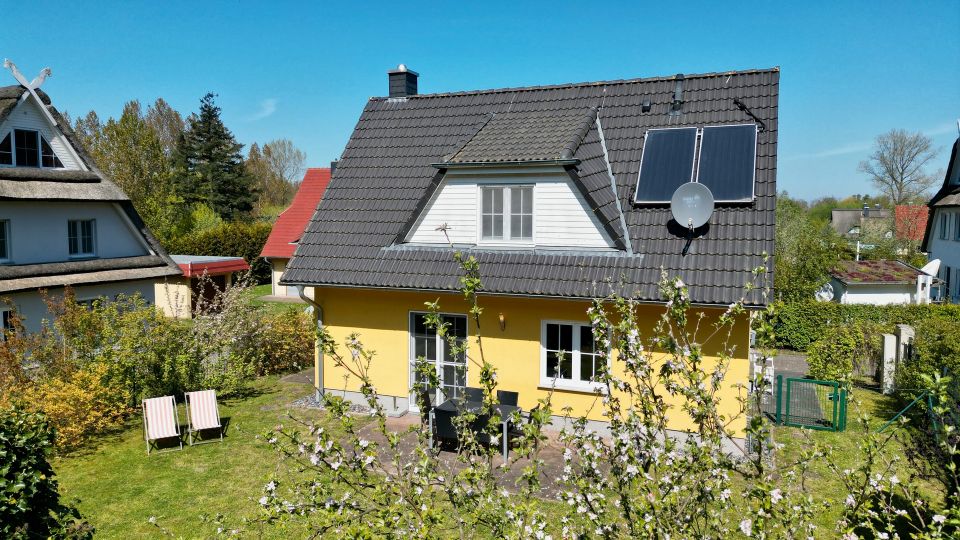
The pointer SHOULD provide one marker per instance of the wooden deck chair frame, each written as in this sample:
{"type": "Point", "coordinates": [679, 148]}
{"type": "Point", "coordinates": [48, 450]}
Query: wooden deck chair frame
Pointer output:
{"type": "Point", "coordinates": [146, 426]}
{"type": "Point", "coordinates": [191, 428]}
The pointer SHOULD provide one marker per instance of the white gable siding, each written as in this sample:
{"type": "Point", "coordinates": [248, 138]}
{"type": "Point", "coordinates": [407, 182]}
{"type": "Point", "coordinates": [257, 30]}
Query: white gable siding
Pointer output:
{"type": "Point", "coordinates": [38, 230]}
{"type": "Point", "coordinates": [454, 204]}
{"type": "Point", "coordinates": [27, 115]}
{"type": "Point", "coordinates": [561, 218]}
{"type": "Point", "coordinates": [947, 250]}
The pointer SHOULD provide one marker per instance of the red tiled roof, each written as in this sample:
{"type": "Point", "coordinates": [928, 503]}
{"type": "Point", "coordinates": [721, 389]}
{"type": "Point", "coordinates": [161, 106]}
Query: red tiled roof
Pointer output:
{"type": "Point", "coordinates": [910, 221]}
{"type": "Point", "coordinates": [883, 271]}
{"type": "Point", "coordinates": [292, 221]}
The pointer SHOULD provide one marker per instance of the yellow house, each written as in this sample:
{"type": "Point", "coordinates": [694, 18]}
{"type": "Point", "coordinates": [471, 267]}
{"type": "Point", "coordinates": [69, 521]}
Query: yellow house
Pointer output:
{"type": "Point", "coordinates": [563, 194]}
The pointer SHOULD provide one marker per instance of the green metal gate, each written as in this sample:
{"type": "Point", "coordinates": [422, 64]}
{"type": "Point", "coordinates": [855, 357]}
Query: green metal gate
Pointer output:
{"type": "Point", "coordinates": [812, 404]}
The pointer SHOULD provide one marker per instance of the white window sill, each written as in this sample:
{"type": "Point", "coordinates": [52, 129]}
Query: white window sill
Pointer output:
{"type": "Point", "coordinates": [507, 243]}
{"type": "Point", "coordinates": [572, 386]}
{"type": "Point", "coordinates": [81, 256]}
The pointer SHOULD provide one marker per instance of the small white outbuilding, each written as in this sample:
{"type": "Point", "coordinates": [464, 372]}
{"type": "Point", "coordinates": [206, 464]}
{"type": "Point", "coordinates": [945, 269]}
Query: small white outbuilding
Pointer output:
{"type": "Point", "coordinates": [879, 283]}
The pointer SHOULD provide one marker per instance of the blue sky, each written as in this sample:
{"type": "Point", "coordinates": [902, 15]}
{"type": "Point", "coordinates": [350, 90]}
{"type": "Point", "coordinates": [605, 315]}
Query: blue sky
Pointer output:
{"type": "Point", "coordinates": [849, 71]}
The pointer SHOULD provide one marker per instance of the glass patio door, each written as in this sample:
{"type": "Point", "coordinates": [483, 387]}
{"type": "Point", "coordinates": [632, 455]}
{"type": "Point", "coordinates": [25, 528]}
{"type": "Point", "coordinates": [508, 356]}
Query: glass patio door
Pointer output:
{"type": "Point", "coordinates": [451, 369]}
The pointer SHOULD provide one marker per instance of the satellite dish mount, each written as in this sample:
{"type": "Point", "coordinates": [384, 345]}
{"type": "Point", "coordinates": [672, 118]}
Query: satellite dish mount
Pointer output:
{"type": "Point", "coordinates": [691, 206]}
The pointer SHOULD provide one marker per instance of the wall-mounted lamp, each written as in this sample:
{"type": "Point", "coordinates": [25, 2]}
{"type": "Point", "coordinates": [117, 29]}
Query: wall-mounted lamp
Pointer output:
{"type": "Point", "coordinates": [503, 322]}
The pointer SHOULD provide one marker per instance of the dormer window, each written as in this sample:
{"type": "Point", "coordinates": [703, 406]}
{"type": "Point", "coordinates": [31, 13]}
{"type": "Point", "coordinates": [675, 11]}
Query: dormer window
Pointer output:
{"type": "Point", "coordinates": [506, 213]}
{"type": "Point", "coordinates": [6, 151]}
{"type": "Point", "coordinates": [28, 148]}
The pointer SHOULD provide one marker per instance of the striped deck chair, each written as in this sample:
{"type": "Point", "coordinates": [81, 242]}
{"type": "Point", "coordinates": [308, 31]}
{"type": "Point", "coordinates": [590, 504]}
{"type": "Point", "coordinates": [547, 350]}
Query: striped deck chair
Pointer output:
{"type": "Point", "coordinates": [160, 420]}
{"type": "Point", "coordinates": [202, 413]}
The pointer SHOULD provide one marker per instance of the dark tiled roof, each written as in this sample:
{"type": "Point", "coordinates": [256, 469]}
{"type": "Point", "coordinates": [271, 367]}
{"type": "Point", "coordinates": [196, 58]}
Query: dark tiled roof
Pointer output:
{"type": "Point", "coordinates": [519, 136]}
{"type": "Point", "coordinates": [387, 169]}
{"type": "Point", "coordinates": [873, 272]}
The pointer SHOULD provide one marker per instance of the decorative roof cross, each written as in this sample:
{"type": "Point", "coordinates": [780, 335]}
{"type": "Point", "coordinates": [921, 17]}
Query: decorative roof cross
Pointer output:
{"type": "Point", "coordinates": [32, 85]}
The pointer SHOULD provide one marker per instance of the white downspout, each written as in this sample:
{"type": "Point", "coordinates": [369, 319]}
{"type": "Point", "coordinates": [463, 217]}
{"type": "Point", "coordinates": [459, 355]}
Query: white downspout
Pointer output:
{"type": "Point", "coordinates": [318, 384]}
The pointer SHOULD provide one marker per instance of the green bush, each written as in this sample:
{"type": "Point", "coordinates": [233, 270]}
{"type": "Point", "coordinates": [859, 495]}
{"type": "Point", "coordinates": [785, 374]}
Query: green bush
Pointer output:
{"type": "Point", "coordinates": [799, 324]}
{"type": "Point", "coordinates": [287, 342]}
{"type": "Point", "coordinates": [30, 505]}
{"type": "Point", "coordinates": [936, 348]}
{"type": "Point", "coordinates": [235, 239]}
{"type": "Point", "coordinates": [840, 350]}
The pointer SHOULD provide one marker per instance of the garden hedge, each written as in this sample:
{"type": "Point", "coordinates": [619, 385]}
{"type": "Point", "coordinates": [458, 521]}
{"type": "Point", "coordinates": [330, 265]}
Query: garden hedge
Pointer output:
{"type": "Point", "coordinates": [799, 324]}
{"type": "Point", "coordinates": [234, 239]}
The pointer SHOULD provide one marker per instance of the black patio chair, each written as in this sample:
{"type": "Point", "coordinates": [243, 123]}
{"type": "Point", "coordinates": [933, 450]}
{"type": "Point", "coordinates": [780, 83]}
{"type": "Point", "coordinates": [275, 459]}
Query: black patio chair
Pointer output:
{"type": "Point", "coordinates": [473, 394]}
{"type": "Point", "coordinates": [506, 397]}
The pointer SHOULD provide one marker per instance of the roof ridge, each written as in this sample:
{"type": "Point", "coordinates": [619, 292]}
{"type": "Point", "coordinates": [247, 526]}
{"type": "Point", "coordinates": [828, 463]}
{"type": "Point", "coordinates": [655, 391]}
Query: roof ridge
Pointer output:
{"type": "Point", "coordinates": [586, 123]}
{"type": "Point", "coordinates": [774, 69]}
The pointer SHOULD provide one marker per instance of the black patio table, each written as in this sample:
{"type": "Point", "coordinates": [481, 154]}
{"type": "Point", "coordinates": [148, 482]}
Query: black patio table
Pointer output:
{"type": "Point", "coordinates": [458, 406]}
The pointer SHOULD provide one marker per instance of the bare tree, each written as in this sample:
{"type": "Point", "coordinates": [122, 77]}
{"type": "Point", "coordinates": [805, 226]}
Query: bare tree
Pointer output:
{"type": "Point", "coordinates": [897, 165]}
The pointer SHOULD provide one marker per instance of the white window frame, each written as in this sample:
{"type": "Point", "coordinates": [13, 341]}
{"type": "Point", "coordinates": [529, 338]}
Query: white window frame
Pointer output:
{"type": "Point", "coordinates": [93, 240]}
{"type": "Point", "coordinates": [412, 351]}
{"type": "Point", "coordinates": [944, 226]}
{"type": "Point", "coordinates": [576, 384]}
{"type": "Point", "coordinates": [506, 195]}
{"type": "Point", "coordinates": [6, 240]}
{"type": "Point", "coordinates": [956, 226]}
{"type": "Point", "coordinates": [41, 138]}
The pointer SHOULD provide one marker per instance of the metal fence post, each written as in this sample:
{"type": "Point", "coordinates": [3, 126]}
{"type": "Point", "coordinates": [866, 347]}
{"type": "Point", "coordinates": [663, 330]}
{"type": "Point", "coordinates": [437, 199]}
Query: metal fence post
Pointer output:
{"type": "Point", "coordinates": [779, 397]}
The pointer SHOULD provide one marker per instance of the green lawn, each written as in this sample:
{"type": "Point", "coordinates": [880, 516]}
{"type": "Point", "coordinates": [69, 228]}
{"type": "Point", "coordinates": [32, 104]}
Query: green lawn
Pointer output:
{"type": "Point", "coordinates": [845, 451]}
{"type": "Point", "coordinates": [120, 487]}
{"type": "Point", "coordinates": [271, 306]}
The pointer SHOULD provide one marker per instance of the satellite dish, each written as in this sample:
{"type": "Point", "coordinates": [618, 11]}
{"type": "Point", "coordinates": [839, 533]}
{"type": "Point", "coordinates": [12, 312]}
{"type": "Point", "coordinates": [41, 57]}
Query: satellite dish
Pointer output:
{"type": "Point", "coordinates": [824, 293]}
{"type": "Point", "coordinates": [692, 205]}
{"type": "Point", "coordinates": [931, 268]}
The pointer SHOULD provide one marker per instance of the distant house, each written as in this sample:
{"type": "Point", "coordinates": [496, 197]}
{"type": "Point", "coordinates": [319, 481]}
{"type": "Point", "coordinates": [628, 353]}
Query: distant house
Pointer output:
{"type": "Point", "coordinates": [562, 194]}
{"type": "Point", "coordinates": [203, 276]}
{"type": "Point", "coordinates": [860, 223]}
{"type": "Point", "coordinates": [62, 221]}
{"type": "Point", "coordinates": [290, 225]}
{"type": "Point", "coordinates": [941, 239]}
{"type": "Point", "coordinates": [879, 282]}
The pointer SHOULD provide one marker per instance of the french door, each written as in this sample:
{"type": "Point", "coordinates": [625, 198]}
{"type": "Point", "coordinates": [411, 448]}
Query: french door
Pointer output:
{"type": "Point", "coordinates": [451, 368]}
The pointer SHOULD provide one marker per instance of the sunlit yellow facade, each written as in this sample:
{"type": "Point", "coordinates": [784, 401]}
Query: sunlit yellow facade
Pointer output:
{"type": "Point", "coordinates": [381, 319]}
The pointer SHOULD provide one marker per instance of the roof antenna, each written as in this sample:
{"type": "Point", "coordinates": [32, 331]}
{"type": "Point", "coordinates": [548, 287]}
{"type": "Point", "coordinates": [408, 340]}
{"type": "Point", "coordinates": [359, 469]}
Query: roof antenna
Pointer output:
{"type": "Point", "coordinates": [742, 107]}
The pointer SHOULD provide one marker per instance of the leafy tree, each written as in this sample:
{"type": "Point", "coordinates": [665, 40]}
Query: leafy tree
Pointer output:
{"type": "Point", "coordinates": [30, 505]}
{"type": "Point", "coordinates": [209, 166]}
{"type": "Point", "coordinates": [804, 253]}
{"type": "Point", "coordinates": [897, 165]}
{"type": "Point", "coordinates": [278, 168]}
{"type": "Point", "coordinates": [167, 123]}
{"type": "Point", "coordinates": [132, 152]}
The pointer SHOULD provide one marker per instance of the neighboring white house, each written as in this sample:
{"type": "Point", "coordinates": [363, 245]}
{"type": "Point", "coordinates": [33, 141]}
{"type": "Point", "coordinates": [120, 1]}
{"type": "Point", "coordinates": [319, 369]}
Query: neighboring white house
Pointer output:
{"type": "Point", "coordinates": [62, 221]}
{"type": "Point", "coordinates": [942, 238]}
{"type": "Point", "coordinates": [879, 282]}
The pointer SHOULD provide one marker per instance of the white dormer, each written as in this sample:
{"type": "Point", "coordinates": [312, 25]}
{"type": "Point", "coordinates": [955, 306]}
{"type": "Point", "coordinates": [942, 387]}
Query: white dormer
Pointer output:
{"type": "Point", "coordinates": [27, 139]}
{"type": "Point", "coordinates": [518, 208]}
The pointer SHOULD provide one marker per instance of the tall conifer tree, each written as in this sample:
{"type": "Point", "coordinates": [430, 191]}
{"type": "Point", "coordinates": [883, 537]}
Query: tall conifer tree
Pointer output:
{"type": "Point", "coordinates": [209, 166]}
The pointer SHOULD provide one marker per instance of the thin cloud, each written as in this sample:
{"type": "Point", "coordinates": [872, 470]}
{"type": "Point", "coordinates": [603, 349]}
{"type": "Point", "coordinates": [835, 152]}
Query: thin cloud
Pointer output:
{"type": "Point", "coordinates": [267, 108]}
{"type": "Point", "coordinates": [860, 147]}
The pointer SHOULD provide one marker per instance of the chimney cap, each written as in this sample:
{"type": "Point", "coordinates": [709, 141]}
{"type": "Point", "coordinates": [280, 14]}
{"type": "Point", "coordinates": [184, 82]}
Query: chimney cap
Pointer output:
{"type": "Point", "coordinates": [402, 68]}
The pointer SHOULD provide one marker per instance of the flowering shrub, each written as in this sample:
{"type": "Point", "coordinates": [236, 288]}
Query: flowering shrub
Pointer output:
{"type": "Point", "coordinates": [80, 405]}
{"type": "Point", "coordinates": [30, 505]}
{"type": "Point", "coordinates": [632, 482]}
{"type": "Point", "coordinates": [89, 366]}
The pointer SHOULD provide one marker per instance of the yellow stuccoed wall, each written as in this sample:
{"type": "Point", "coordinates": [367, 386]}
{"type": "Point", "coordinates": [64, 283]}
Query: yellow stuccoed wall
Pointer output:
{"type": "Point", "coordinates": [381, 318]}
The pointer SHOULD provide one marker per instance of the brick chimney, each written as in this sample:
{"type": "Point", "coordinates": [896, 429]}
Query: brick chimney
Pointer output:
{"type": "Point", "coordinates": [403, 82]}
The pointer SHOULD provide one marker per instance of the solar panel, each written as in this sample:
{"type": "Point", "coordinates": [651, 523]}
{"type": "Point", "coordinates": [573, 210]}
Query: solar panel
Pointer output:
{"type": "Point", "coordinates": [666, 163]}
{"type": "Point", "coordinates": [728, 160]}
